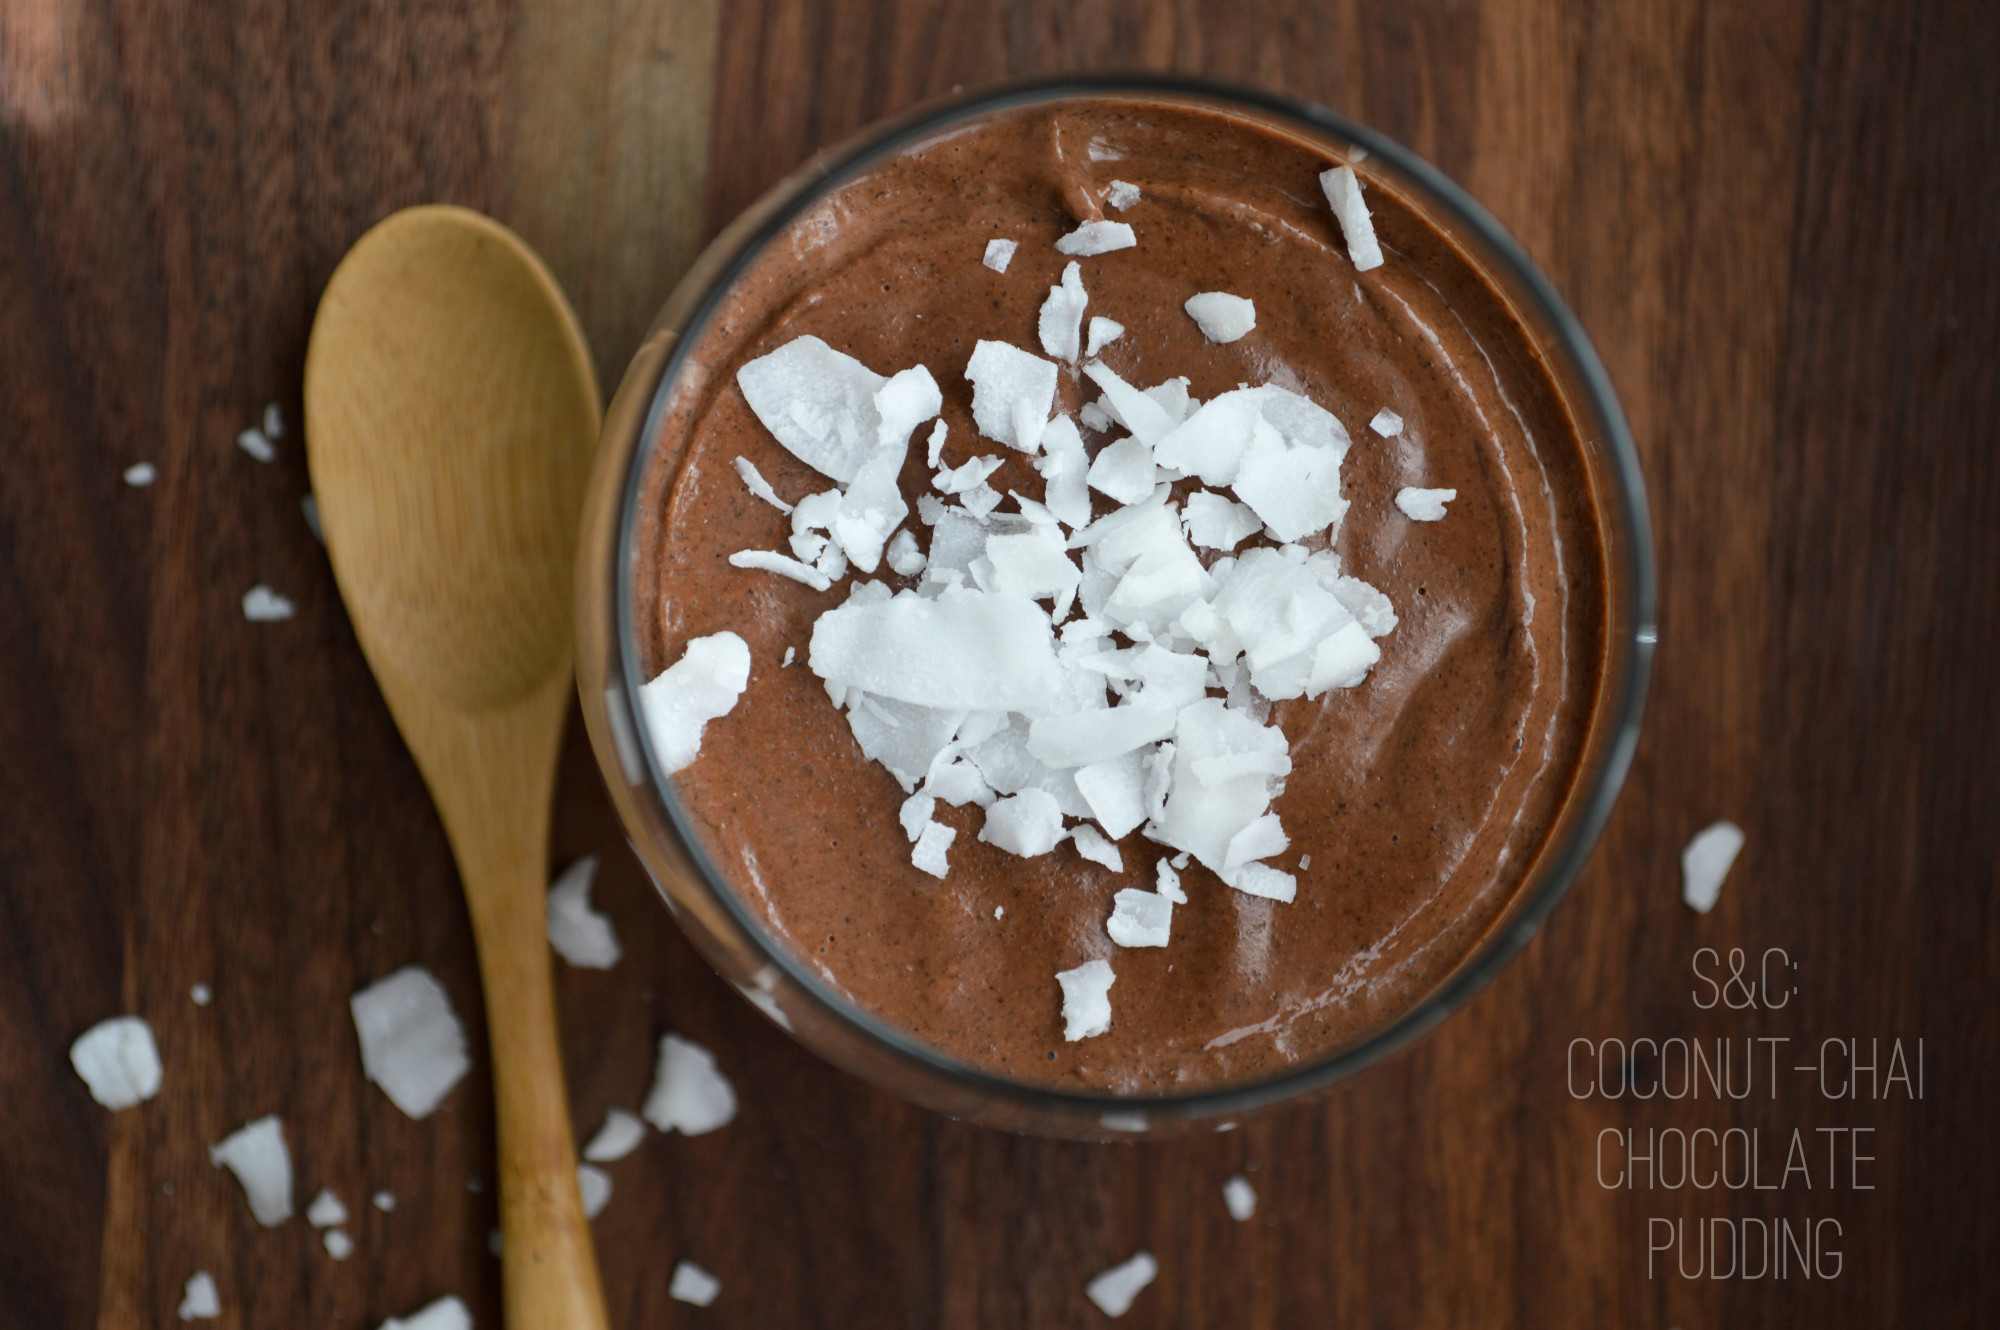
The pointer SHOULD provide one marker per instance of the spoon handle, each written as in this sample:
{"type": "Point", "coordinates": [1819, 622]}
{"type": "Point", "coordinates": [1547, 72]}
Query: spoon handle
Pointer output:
{"type": "Point", "coordinates": [548, 1266]}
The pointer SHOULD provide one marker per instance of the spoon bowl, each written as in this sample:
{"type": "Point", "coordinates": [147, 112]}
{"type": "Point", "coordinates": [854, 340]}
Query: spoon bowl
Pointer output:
{"type": "Point", "coordinates": [451, 413]}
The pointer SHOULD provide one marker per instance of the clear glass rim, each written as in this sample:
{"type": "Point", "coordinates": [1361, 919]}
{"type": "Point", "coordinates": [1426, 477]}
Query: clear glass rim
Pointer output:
{"type": "Point", "coordinates": [1623, 702]}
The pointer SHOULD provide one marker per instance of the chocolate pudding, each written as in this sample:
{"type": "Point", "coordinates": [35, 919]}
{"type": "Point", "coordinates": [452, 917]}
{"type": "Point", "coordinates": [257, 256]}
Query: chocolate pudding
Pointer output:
{"type": "Point", "coordinates": [1418, 801]}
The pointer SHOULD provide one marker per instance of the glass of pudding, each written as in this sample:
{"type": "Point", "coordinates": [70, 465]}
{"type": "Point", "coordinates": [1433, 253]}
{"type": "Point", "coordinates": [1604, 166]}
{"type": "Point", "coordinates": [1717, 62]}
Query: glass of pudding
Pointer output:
{"type": "Point", "coordinates": [1278, 665]}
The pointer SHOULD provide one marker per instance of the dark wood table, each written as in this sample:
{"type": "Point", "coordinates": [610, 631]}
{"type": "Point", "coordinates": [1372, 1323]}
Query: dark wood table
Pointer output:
{"type": "Point", "coordinates": [1776, 219]}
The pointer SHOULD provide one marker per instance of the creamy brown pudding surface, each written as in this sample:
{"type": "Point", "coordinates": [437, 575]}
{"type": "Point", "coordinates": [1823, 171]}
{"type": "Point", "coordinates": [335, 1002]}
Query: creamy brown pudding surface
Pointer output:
{"type": "Point", "coordinates": [1420, 798]}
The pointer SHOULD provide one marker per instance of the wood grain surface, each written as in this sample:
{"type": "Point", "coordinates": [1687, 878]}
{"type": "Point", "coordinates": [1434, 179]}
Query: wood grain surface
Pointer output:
{"type": "Point", "coordinates": [1776, 221]}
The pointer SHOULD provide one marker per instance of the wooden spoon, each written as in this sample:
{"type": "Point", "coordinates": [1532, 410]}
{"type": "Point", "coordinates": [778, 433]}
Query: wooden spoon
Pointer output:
{"type": "Point", "coordinates": [451, 411]}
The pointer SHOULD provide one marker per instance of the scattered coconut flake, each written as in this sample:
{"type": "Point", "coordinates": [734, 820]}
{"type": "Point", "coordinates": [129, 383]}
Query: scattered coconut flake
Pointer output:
{"type": "Point", "coordinates": [1096, 238]}
{"type": "Point", "coordinates": [1086, 994]}
{"type": "Point", "coordinates": [1305, 862]}
{"type": "Point", "coordinates": [1122, 195]}
{"type": "Point", "coordinates": [1095, 418]}
{"type": "Point", "coordinates": [495, 1243]}
{"type": "Point", "coordinates": [1002, 377]}
{"type": "Point", "coordinates": [254, 442]}
{"type": "Point", "coordinates": [1215, 523]}
{"type": "Point", "coordinates": [1343, 193]}
{"type": "Point", "coordinates": [385, 1201]}
{"type": "Point", "coordinates": [690, 1095]}
{"type": "Point", "coordinates": [1130, 407]}
{"type": "Point", "coordinates": [1000, 253]}
{"type": "Point", "coordinates": [338, 1245]}
{"type": "Point", "coordinates": [309, 509]}
{"type": "Point", "coordinates": [594, 1185]}
{"type": "Point", "coordinates": [962, 650]}
{"type": "Point", "coordinates": [1092, 845]}
{"type": "Point", "coordinates": [1103, 332]}
{"type": "Point", "coordinates": [934, 446]}
{"type": "Point", "coordinates": [929, 851]}
{"type": "Point", "coordinates": [1170, 881]}
{"type": "Point", "coordinates": [326, 1211]}
{"type": "Point", "coordinates": [1124, 471]}
{"type": "Point", "coordinates": [1386, 423]}
{"type": "Point", "coordinates": [1027, 824]}
{"type": "Point", "coordinates": [200, 1301]}
{"type": "Point", "coordinates": [970, 476]}
{"type": "Point", "coordinates": [619, 1136]}
{"type": "Point", "coordinates": [1222, 317]}
{"type": "Point", "coordinates": [1061, 322]}
{"type": "Point", "coordinates": [1115, 792]}
{"type": "Point", "coordinates": [411, 1042]}
{"type": "Point", "coordinates": [1240, 1198]}
{"type": "Point", "coordinates": [791, 654]}
{"type": "Point", "coordinates": [905, 559]}
{"type": "Point", "coordinates": [691, 1283]}
{"type": "Point", "coordinates": [263, 605]}
{"type": "Point", "coordinates": [1263, 880]}
{"type": "Point", "coordinates": [819, 402]}
{"type": "Point", "coordinates": [1706, 861]}
{"type": "Point", "coordinates": [1114, 1290]}
{"type": "Point", "coordinates": [580, 935]}
{"type": "Point", "coordinates": [753, 480]}
{"type": "Point", "coordinates": [140, 474]}
{"type": "Point", "coordinates": [999, 911]}
{"type": "Point", "coordinates": [118, 1061]}
{"type": "Point", "coordinates": [915, 814]}
{"type": "Point", "coordinates": [256, 1154]}
{"type": "Point", "coordinates": [703, 685]}
{"type": "Point", "coordinates": [1420, 505]}
{"type": "Point", "coordinates": [772, 562]}
{"type": "Point", "coordinates": [1140, 919]}
{"type": "Point", "coordinates": [447, 1313]}
{"type": "Point", "coordinates": [274, 422]}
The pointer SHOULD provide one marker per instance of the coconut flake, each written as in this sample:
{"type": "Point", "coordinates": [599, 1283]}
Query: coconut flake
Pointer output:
{"type": "Point", "coordinates": [1124, 471]}
{"type": "Point", "coordinates": [1000, 253]}
{"type": "Point", "coordinates": [338, 1245]}
{"type": "Point", "coordinates": [1092, 845]}
{"type": "Point", "coordinates": [1065, 468]}
{"type": "Point", "coordinates": [753, 480]}
{"type": "Point", "coordinates": [1114, 1290]}
{"type": "Point", "coordinates": [274, 422]}
{"type": "Point", "coordinates": [963, 650]}
{"type": "Point", "coordinates": [1121, 195]}
{"type": "Point", "coordinates": [1240, 1198]}
{"type": "Point", "coordinates": [1103, 332]}
{"type": "Point", "coordinates": [1027, 824]}
{"type": "Point", "coordinates": [1115, 791]}
{"type": "Point", "coordinates": [1086, 993]}
{"type": "Point", "coordinates": [1222, 317]}
{"type": "Point", "coordinates": [1343, 193]}
{"type": "Point", "coordinates": [691, 1283]}
{"type": "Point", "coordinates": [818, 402]}
{"type": "Point", "coordinates": [140, 474]}
{"type": "Point", "coordinates": [411, 1042]}
{"type": "Point", "coordinates": [385, 1201]}
{"type": "Point", "coordinates": [703, 685]}
{"type": "Point", "coordinates": [1386, 423]}
{"type": "Point", "coordinates": [118, 1061]}
{"type": "Point", "coordinates": [1097, 736]}
{"type": "Point", "coordinates": [689, 1094]}
{"type": "Point", "coordinates": [1061, 321]}
{"type": "Point", "coordinates": [915, 814]}
{"type": "Point", "coordinates": [199, 1301]}
{"type": "Point", "coordinates": [256, 1154]}
{"type": "Point", "coordinates": [1420, 505]}
{"type": "Point", "coordinates": [1215, 523]}
{"type": "Point", "coordinates": [928, 853]}
{"type": "Point", "coordinates": [253, 442]}
{"type": "Point", "coordinates": [619, 1136]}
{"type": "Point", "coordinates": [1294, 488]}
{"type": "Point", "coordinates": [447, 1313]}
{"type": "Point", "coordinates": [1001, 376]}
{"type": "Point", "coordinates": [970, 476]}
{"type": "Point", "coordinates": [326, 1211]}
{"type": "Point", "coordinates": [1263, 880]}
{"type": "Point", "coordinates": [1140, 918]}
{"type": "Point", "coordinates": [201, 995]}
{"type": "Point", "coordinates": [1170, 881]}
{"type": "Point", "coordinates": [1096, 238]}
{"type": "Point", "coordinates": [1706, 861]}
{"type": "Point", "coordinates": [1130, 407]}
{"type": "Point", "coordinates": [905, 560]}
{"type": "Point", "coordinates": [593, 1186]}
{"type": "Point", "coordinates": [580, 935]}
{"type": "Point", "coordinates": [263, 605]}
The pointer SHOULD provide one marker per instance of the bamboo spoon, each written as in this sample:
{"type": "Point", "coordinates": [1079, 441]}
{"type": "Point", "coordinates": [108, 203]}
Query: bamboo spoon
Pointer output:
{"type": "Point", "coordinates": [451, 411]}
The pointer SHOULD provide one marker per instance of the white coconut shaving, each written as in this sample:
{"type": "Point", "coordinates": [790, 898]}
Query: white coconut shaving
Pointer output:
{"type": "Point", "coordinates": [254, 442]}
{"type": "Point", "coordinates": [1093, 845]}
{"type": "Point", "coordinates": [1086, 999]}
{"type": "Point", "coordinates": [1140, 919]}
{"type": "Point", "coordinates": [1096, 238]}
{"type": "Point", "coordinates": [1222, 318]}
{"type": "Point", "coordinates": [691, 1283]}
{"type": "Point", "coordinates": [1421, 505]}
{"type": "Point", "coordinates": [1170, 882]}
{"type": "Point", "coordinates": [274, 422]}
{"type": "Point", "coordinates": [1386, 423]}
{"type": "Point", "coordinates": [1240, 1198]}
{"type": "Point", "coordinates": [326, 1211]}
{"type": "Point", "coordinates": [700, 687]}
{"type": "Point", "coordinates": [1028, 824]}
{"type": "Point", "coordinates": [385, 1201]}
{"type": "Point", "coordinates": [753, 480]}
{"type": "Point", "coordinates": [256, 1154]}
{"type": "Point", "coordinates": [818, 402]}
{"type": "Point", "coordinates": [1061, 323]}
{"type": "Point", "coordinates": [447, 1313]}
{"type": "Point", "coordinates": [619, 1136]}
{"type": "Point", "coordinates": [1122, 195]}
{"type": "Point", "coordinates": [201, 995]}
{"type": "Point", "coordinates": [690, 1094]}
{"type": "Point", "coordinates": [1103, 332]}
{"type": "Point", "coordinates": [1124, 471]}
{"type": "Point", "coordinates": [118, 1062]}
{"type": "Point", "coordinates": [338, 1245]}
{"type": "Point", "coordinates": [1706, 862]}
{"type": "Point", "coordinates": [1357, 228]}
{"type": "Point", "coordinates": [1114, 1290]}
{"type": "Point", "coordinates": [593, 1184]}
{"type": "Point", "coordinates": [140, 474]}
{"type": "Point", "coordinates": [1000, 253]}
{"type": "Point", "coordinates": [770, 561]}
{"type": "Point", "coordinates": [906, 559]}
{"type": "Point", "coordinates": [199, 1300]}
{"type": "Point", "coordinates": [412, 1044]}
{"type": "Point", "coordinates": [580, 935]}
{"type": "Point", "coordinates": [1215, 523]}
{"type": "Point", "coordinates": [263, 605]}
{"type": "Point", "coordinates": [928, 853]}
{"type": "Point", "coordinates": [1005, 378]}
